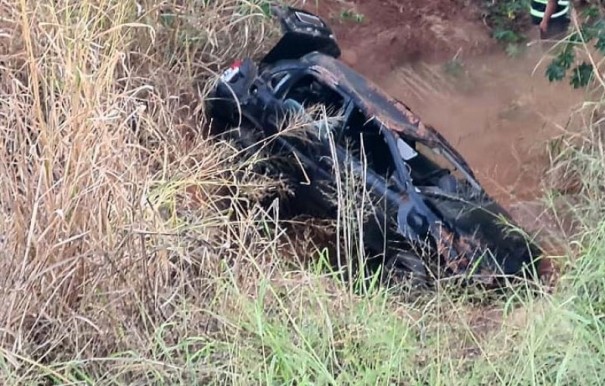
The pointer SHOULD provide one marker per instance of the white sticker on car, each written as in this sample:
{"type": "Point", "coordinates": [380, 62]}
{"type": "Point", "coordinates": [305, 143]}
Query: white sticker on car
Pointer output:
{"type": "Point", "coordinates": [405, 151]}
{"type": "Point", "coordinates": [229, 74]}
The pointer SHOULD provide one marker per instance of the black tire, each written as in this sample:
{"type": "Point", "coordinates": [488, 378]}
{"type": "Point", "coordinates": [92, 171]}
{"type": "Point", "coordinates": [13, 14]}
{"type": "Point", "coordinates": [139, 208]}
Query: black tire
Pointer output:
{"type": "Point", "coordinates": [405, 268]}
{"type": "Point", "coordinates": [218, 116]}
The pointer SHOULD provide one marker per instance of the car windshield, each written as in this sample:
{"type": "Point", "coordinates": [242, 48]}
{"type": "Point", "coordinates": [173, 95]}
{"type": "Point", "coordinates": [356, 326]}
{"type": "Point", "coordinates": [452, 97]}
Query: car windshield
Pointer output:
{"type": "Point", "coordinates": [430, 169]}
{"type": "Point", "coordinates": [426, 163]}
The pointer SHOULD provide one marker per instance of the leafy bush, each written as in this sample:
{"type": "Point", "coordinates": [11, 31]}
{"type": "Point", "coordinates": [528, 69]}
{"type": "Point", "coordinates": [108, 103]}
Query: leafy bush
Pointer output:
{"type": "Point", "coordinates": [507, 19]}
{"type": "Point", "coordinates": [591, 31]}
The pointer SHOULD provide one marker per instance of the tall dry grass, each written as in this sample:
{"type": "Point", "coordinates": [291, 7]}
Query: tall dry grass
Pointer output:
{"type": "Point", "coordinates": [112, 219]}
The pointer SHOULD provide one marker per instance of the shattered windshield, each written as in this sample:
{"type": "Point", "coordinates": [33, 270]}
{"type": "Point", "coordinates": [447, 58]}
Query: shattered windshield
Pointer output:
{"type": "Point", "coordinates": [429, 166]}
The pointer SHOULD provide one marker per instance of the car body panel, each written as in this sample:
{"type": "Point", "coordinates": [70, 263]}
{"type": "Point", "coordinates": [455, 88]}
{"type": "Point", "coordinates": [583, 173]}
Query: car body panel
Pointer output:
{"type": "Point", "coordinates": [302, 32]}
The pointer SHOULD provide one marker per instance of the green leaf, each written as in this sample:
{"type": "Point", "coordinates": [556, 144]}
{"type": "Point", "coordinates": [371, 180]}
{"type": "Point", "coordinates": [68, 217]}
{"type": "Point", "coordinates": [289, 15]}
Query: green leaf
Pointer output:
{"type": "Point", "coordinates": [506, 35]}
{"type": "Point", "coordinates": [592, 11]}
{"type": "Point", "coordinates": [555, 72]}
{"type": "Point", "coordinates": [588, 32]}
{"type": "Point", "coordinates": [575, 38]}
{"type": "Point", "coordinates": [167, 19]}
{"type": "Point", "coordinates": [599, 26]}
{"type": "Point", "coordinates": [266, 9]}
{"type": "Point", "coordinates": [600, 44]}
{"type": "Point", "coordinates": [565, 58]}
{"type": "Point", "coordinates": [581, 75]}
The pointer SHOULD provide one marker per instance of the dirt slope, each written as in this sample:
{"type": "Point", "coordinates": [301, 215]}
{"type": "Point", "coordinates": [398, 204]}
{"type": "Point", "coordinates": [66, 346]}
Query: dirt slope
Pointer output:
{"type": "Point", "coordinates": [391, 32]}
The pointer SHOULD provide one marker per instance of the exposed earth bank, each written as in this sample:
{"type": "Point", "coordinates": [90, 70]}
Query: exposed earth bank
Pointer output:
{"type": "Point", "coordinates": [377, 35]}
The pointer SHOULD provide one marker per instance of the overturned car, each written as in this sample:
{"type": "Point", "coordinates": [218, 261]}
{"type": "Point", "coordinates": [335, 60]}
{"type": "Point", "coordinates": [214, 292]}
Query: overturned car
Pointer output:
{"type": "Point", "coordinates": [430, 216]}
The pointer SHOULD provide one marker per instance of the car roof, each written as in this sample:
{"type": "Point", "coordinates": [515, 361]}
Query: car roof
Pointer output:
{"type": "Point", "coordinates": [374, 102]}
{"type": "Point", "coordinates": [370, 98]}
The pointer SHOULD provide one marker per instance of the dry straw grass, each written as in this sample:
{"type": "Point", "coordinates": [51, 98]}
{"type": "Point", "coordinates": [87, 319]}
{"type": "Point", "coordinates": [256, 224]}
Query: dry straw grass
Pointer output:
{"type": "Point", "coordinates": [111, 214]}
{"type": "Point", "coordinates": [132, 250]}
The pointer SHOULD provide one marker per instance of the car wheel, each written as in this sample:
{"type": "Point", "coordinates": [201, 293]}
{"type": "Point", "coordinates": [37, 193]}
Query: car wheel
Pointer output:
{"type": "Point", "coordinates": [406, 268]}
{"type": "Point", "coordinates": [219, 118]}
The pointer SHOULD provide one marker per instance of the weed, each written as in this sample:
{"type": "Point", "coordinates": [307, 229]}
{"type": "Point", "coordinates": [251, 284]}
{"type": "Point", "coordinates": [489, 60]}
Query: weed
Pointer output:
{"type": "Point", "coordinates": [352, 15]}
{"type": "Point", "coordinates": [508, 21]}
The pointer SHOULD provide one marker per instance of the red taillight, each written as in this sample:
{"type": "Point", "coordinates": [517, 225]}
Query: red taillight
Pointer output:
{"type": "Point", "coordinates": [236, 64]}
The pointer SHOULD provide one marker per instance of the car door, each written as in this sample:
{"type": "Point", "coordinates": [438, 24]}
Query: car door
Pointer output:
{"type": "Point", "coordinates": [364, 152]}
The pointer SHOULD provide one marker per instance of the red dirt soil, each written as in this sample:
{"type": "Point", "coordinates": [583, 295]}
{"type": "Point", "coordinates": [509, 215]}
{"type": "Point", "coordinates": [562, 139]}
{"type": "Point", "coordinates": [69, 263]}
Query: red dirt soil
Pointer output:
{"type": "Point", "coordinates": [396, 31]}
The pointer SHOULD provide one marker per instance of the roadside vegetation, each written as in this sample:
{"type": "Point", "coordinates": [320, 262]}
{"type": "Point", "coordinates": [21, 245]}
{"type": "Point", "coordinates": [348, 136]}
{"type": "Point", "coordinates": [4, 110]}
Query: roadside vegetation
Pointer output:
{"type": "Point", "coordinates": [508, 21]}
{"type": "Point", "coordinates": [133, 250]}
{"type": "Point", "coordinates": [570, 60]}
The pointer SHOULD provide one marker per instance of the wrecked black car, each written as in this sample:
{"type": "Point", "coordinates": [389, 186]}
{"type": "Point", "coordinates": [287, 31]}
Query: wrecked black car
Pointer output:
{"type": "Point", "coordinates": [429, 217]}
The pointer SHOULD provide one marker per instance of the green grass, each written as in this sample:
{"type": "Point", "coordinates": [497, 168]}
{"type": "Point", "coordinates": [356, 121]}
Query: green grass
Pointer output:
{"type": "Point", "coordinates": [125, 261]}
{"type": "Point", "coordinates": [352, 15]}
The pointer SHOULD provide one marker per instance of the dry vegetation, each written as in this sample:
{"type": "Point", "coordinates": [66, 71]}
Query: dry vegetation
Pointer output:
{"type": "Point", "coordinates": [110, 219]}
{"type": "Point", "coordinates": [124, 261]}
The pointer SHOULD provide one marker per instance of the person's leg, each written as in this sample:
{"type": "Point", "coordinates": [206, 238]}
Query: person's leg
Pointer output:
{"type": "Point", "coordinates": [557, 29]}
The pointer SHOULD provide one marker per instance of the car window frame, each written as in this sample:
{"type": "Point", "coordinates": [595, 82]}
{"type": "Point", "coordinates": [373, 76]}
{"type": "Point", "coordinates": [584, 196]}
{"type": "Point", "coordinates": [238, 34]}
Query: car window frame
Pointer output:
{"type": "Point", "coordinates": [401, 167]}
{"type": "Point", "coordinates": [285, 86]}
{"type": "Point", "coordinates": [402, 173]}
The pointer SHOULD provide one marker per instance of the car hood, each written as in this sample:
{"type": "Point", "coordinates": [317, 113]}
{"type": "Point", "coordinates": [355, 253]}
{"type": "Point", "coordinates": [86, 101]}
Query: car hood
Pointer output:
{"type": "Point", "coordinates": [488, 232]}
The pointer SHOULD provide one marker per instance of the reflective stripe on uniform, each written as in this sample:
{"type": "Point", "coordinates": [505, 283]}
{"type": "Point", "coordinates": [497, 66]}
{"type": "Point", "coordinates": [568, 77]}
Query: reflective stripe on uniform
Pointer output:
{"type": "Point", "coordinates": [561, 3]}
